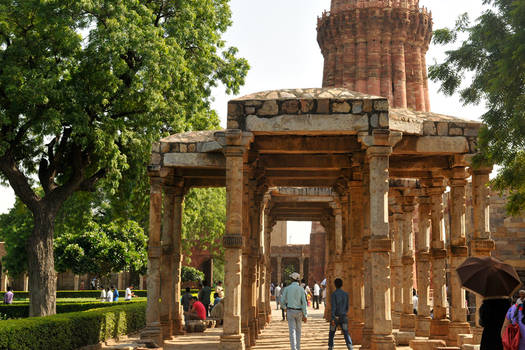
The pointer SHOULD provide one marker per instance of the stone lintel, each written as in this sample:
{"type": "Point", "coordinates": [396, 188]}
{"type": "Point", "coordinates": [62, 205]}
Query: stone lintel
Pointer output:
{"type": "Point", "coordinates": [341, 123]}
{"type": "Point", "coordinates": [380, 137]}
{"type": "Point", "coordinates": [195, 160]}
{"type": "Point", "coordinates": [379, 245]}
{"type": "Point", "coordinates": [482, 246]}
{"type": "Point", "coordinates": [233, 137]}
{"type": "Point", "coordinates": [432, 145]}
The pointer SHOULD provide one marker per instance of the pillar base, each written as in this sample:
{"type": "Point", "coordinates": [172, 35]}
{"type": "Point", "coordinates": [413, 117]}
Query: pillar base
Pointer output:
{"type": "Point", "coordinates": [456, 328]}
{"type": "Point", "coordinates": [177, 328]}
{"type": "Point", "coordinates": [477, 332]}
{"type": "Point", "coordinates": [232, 342]}
{"type": "Point", "coordinates": [366, 342]}
{"type": "Point", "coordinates": [247, 336]}
{"type": "Point", "coordinates": [356, 332]}
{"type": "Point", "coordinates": [153, 333]}
{"type": "Point", "coordinates": [439, 329]}
{"type": "Point", "coordinates": [396, 319]}
{"type": "Point", "coordinates": [382, 342]}
{"type": "Point", "coordinates": [423, 326]}
{"type": "Point", "coordinates": [426, 344]}
{"type": "Point", "coordinates": [403, 338]}
{"type": "Point", "coordinates": [167, 330]}
{"type": "Point", "coordinates": [408, 323]}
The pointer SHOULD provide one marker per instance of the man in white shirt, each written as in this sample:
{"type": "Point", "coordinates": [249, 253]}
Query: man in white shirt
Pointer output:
{"type": "Point", "coordinates": [414, 300]}
{"type": "Point", "coordinates": [129, 294]}
{"type": "Point", "coordinates": [109, 295]}
{"type": "Point", "coordinates": [317, 293]}
{"type": "Point", "coordinates": [278, 296]}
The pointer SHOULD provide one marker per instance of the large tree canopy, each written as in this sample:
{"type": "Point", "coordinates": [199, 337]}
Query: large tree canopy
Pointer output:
{"type": "Point", "coordinates": [494, 52]}
{"type": "Point", "coordinates": [86, 87]}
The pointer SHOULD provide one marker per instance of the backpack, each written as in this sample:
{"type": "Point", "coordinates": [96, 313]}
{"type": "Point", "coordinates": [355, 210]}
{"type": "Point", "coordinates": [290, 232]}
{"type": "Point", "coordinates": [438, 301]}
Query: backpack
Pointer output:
{"type": "Point", "coordinates": [511, 335]}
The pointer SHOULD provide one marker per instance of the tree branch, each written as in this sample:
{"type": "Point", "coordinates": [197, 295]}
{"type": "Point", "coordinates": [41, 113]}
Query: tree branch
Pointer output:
{"type": "Point", "coordinates": [19, 182]}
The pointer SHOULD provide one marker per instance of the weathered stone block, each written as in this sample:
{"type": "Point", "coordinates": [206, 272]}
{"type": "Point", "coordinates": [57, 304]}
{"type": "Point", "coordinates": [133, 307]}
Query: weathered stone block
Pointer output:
{"type": "Point", "coordinates": [253, 103]}
{"type": "Point", "coordinates": [307, 106]}
{"type": "Point", "coordinates": [357, 107]}
{"type": "Point", "coordinates": [442, 129]}
{"type": "Point", "coordinates": [308, 122]}
{"type": "Point", "coordinates": [164, 147]}
{"type": "Point", "coordinates": [183, 148]}
{"type": "Point", "coordinates": [155, 159]}
{"type": "Point", "coordinates": [455, 132]}
{"type": "Point", "coordinates": [249, 110]}
{"type": "Point", "coordinates": [232, 124]}
{"type": "Point", "coordinates": [191, 147]}
{"type": "Point", "coordinates": [374, 120]}
{"type": "Point", "coordinates": [234, 109]}
{"type": "Point", "coordinates": [426, 344]}
{"type": "Point", "coordinates": [381, 105]}
{"type": "Point", "coordinates": [155, 147]}
{"type": "Point", "coordinates": [268, 108]}
{"type": "Point", "coordinates": [471, 132]}
{"type": "Point", "coordinates": [429, 128]}
{"type": "Point", "coordinates": [290, 107]}
{"type": "Point", "coordinates": [338, 107]}
{"type": "Point", "coordinates": [367, 105]}
{"type": "Point", "coordinates": [383, 120]}
{"type": "Point", "coordinates": [323, 106]}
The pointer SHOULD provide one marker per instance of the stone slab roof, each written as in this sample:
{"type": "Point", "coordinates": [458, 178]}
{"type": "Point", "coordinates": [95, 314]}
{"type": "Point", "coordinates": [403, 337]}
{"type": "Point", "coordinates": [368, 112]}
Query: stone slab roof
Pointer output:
{"type": "Point", "coordinates": [306, 94]}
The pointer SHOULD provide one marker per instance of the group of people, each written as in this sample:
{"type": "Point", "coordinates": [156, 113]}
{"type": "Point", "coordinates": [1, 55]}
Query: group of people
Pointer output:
{"type": "Point", "coordinates": [111, 294]}
{"type": "Point", "coordinates": [495, 315]}
{"type": "Point", "coordinates": [314, 295]}
{"type": "Point", "coordinates": [293, 301]}
{"type": "Point", "coordinates": [201, 307]}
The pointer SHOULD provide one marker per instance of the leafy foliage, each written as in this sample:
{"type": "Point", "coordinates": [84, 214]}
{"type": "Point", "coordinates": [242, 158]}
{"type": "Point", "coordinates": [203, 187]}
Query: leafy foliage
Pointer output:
{"type": "Point", "coordinates": [494, 51]}
{"type": "Point", "coordinates": [191, 274]}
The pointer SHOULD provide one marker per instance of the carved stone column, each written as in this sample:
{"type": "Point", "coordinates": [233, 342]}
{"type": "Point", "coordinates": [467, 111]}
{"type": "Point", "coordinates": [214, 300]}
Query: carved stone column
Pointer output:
{"type": "Point", "coordinates": [397, 265]}
{"type": "Point", "coordinates": [246, 296]}
{"type": "Point", "coordinates": [152, 331]}
{"type": "Point", "coordinates": [166, 260]}
{"type": "Point", "coordinates": [356, 234]}
{"type": "Point", "coordinates": [76, 282]}
{"type": "Point", "coordinates": [338, 242]}
{"type": "Point", "coordinates": [232, 338]}
{"type": "Point", "coordinates": [379, 247]}
{"type": "Point", "coordinates": [301, 266]}
{"type": "Point", "coordinates": [482, 243]}
{"type": "Point", "coordinates": [176, 263]}
{"type": "Point", "coordinates": [423, 267]}
{"type": "Point", "coordinates": [439, 324]}
{"type": "Point", "coordinates": [408, 318]}
{"type": "Point", "coordinates": [458, 253]}
{"type": "Point", "coordinates": [330, 264]}
{"type": "Point", "coordinates": [3, 281]}
{"type": "Point", "coordinates": [367, 267]}
{"type": "Point", "coordinates": [279, 269]}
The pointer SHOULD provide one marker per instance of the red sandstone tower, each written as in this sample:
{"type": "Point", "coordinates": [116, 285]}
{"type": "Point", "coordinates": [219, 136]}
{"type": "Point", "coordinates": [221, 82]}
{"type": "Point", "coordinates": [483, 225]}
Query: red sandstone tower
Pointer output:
{"type": "Point", "coordinates": [377, 47]}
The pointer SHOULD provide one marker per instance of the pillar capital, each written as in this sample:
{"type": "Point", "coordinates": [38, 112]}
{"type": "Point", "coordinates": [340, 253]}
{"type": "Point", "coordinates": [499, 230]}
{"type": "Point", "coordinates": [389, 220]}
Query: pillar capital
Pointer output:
{"type": "Point", "coordinates": [379, 138]}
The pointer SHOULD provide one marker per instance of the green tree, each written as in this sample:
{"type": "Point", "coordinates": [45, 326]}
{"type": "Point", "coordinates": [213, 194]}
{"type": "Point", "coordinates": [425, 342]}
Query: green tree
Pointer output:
{"type": "Point", "coordinates": [87, 86]}
{"type": "Point", "coordinates": [191, 274]}
{"type": "Point", "coordinates": [494, 52]}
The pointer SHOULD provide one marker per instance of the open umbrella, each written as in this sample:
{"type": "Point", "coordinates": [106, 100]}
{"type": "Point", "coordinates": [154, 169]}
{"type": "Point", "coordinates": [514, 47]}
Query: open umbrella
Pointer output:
{"type": "Point", "coordinates": [488, 277]}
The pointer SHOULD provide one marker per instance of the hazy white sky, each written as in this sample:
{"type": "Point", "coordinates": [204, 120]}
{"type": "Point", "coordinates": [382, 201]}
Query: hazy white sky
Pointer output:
{"type": "Point", "coordinates": [279, 39]}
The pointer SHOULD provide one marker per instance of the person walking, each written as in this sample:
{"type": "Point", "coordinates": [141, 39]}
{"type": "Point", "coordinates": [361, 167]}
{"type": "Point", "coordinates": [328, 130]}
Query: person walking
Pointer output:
{"type": "Point", "coordinates": [129, 293]}
{"type": "Point", "coordinates": [339, 302]}
{"type": "Point", "coordinates": [491, 317]}
{"type": "Point", "coordinates": [317, 294]}
{"type": "Point", "coordinates": [294, 301]}
{"type": "Point", "coordinates": [278, 296]}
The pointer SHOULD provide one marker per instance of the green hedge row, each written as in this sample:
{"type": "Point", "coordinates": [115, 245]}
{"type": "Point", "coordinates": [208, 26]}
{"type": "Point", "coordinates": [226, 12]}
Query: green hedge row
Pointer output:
{"type": "Point", "coordinates": [22, 310]}
{"type": "Point", "coordinates": [72, 330]}
{"type": "Point", "coordinates": [77, 294]}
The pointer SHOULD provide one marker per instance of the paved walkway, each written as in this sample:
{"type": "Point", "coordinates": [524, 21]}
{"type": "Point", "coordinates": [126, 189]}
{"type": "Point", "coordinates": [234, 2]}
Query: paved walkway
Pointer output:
{"type": "Point", "coordinates": [274, 336]}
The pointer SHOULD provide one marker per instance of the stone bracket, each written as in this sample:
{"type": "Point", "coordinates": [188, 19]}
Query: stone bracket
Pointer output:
{"type": "Point", "coordinates": [232, 241]}
{"type": "Point", "coordinates": [482, 245]}
{"type": "Point", "coordinates": [459, 251]}
{"type": "Point", "coordinates": [438, 253]}
{"type": "Point", "coordinates": [422, 256]}
{"type": "Point", "coordinates": [379, 245]}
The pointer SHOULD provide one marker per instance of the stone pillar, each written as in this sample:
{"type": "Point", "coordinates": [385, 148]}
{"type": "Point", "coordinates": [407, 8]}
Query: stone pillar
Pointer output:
{"type": "Point", "coordinates": [120, 280]}
{"type": "Point", "coordinates": [176, 262]}
{"type": "Point", "coordinates": [76, 282]}
{"type": "Point", "coordinates": [166, 259]}
{"type": "Point", "coordinates": [356, 234]}
{"type": "Point", "coordinates": [380, 247]}
{"type": "Point", "coordinates": [141, 282]}
{"type": "Point", "coordinates": [399, 75]}
{"type": "Point", "coordinates": [330, 261]}
{"type": "Point", "coordinates": [301, 266]}
{"type": "Point", "coordinates": [153, 330]}
{"type": "Point", "coordinates": [232, 338]}
{"type": "Point", "coordinates": [482, 243]}
{"type": "Point", "coordinates": [3, 281]}
{"type": "Point", "coordinates": [367, 269]}
{"type": "Point", "coordinates": [26, 282]}
{"type": "Point", "coordinates": [439, 324]}
{"type": "Point", "coordinates": [408, 318]}
{"type": "Point", "coordinates": [279, 269]}
{"type": "Point", "coordinates": [458, 253]}
{"type": "Point", "coordinates": [423, 267]}
{"type": "Point", "coordinates": [397, 266]}
{"type": "Point", "coordinates": [338, 242]}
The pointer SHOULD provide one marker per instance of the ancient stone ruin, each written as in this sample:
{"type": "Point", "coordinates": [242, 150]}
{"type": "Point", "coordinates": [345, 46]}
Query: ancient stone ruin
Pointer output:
{"type": "Point", "coordinates": [362, 165]}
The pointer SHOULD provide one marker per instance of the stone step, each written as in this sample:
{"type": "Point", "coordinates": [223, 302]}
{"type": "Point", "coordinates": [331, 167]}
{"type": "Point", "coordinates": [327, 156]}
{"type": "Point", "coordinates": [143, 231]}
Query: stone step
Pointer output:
{"type": "Point", "coordinates": [426, 344]}
{"type": "Point", "coordinates": [448, 348]}
{"type": "Point", "coordinates": [470, 347]}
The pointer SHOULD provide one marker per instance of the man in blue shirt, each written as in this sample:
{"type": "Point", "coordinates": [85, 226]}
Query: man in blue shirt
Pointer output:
{"type": "Point", "coordinates": [339, 301]}
{"type": "Point", "coordinates": [293, 299]}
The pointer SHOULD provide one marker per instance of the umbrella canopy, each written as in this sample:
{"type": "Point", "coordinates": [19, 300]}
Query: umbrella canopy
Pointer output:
{"type": "Point", "coordinates": [488, 277]}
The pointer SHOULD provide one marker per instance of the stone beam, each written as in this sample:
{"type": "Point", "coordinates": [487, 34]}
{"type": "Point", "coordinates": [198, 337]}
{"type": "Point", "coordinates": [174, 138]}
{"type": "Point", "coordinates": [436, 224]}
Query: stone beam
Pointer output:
{"type": "Point", "coordinates": [301, 182]}
{"type": "Point", "coordinates": [304, 161]}
{"type": "Point", "coordinates": [303, 174]}
{"type": "Point", "coordinates": [432, 145]}
{"type": "Point", "coordinates": [424, 163]}
{"type": "Point", "coordinates": [340, 123]}
{"type": "Point", "coordinates": [306, 144]}
{"type": "Point", "coordinates": [195, 160]}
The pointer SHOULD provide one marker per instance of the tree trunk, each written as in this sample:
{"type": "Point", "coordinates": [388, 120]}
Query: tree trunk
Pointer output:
{"type": "Point", "coordinates": [41, 264]}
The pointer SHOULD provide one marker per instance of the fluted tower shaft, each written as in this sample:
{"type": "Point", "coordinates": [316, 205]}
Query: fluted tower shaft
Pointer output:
{"type": "Point", "coordinates": [377, 47]}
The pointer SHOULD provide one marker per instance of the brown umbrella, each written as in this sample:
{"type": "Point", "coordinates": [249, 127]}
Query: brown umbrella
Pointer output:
{"type": "Point", "coordinates": [488, 277]}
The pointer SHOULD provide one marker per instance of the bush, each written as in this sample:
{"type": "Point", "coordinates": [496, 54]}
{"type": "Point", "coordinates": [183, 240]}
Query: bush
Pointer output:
{"type": "Point", "coordinates": [76, 294]}
{"type": "Point", "coordinates": [22, 310]}
{"type": "Point", "coordinates": [189, 274]}
{"type": "Point", "coordinates": [72, 330]}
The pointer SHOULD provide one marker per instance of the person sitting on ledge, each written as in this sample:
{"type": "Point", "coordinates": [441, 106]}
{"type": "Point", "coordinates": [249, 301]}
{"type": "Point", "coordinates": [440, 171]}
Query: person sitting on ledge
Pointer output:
{"type": "Point", "coordinates": [197, 310]}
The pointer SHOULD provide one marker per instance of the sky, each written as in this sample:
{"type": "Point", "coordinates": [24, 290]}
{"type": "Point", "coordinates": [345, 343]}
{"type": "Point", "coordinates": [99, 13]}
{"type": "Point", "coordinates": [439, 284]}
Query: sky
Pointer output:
{"type": "Point", "coordinates": [279, 40]}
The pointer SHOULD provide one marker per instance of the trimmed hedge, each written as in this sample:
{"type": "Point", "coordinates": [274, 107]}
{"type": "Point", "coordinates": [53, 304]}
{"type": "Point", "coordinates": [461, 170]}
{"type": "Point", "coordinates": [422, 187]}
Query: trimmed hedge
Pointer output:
{"type": "Point", "coordinates": [76, 294]}
{"type": "Point", "coordinates": [71, 331]}
{"type": "Point", "coordinates": [22, 310]}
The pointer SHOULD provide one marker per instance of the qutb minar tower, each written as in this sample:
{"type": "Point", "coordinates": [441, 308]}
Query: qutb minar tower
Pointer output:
{"type": "Point", "coordinates": [378, 47]}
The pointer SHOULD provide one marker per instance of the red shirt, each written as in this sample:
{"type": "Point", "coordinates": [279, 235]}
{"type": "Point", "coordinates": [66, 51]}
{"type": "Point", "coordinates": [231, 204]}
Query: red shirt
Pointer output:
{"type": "Point", "coordinates": [199, 308]}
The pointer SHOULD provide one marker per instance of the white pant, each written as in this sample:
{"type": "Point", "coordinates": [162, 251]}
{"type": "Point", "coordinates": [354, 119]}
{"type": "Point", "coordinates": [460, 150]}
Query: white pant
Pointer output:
{"type": "Point", "coordinates": [295, 320]}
